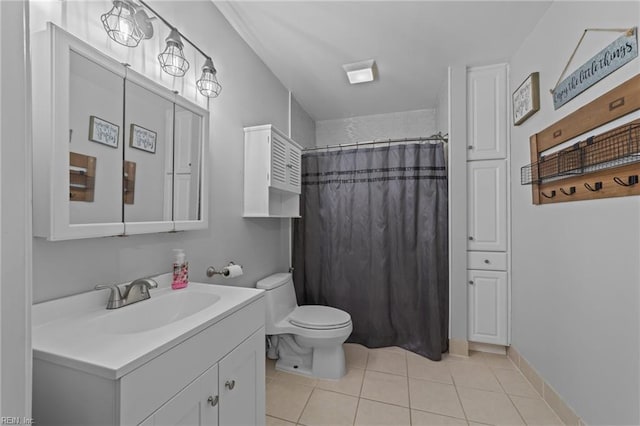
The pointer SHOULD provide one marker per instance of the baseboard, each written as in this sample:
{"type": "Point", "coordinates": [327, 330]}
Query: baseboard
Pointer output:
{"type": "Point", "coordinates": [555, 401]}
{"type": "Point", "coordinates": [458, 347]}
{"type": "Point", "coordinates": [486, 347]}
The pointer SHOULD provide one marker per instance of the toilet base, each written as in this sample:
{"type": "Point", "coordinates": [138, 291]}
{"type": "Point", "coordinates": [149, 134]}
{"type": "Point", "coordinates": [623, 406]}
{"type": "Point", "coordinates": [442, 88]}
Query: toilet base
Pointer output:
{"type": "Point", "coordinates": [323, 362]}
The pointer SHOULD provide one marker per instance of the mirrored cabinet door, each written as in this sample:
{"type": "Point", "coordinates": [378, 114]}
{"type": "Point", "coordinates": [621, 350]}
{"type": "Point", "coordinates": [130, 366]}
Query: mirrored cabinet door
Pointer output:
{"type": "Point", "coordinates": [95, 142]}
{"type": "Point", "coordinates": [190, 128]}
{"type": "Point", "coordinates": [148, 156]}
{"type": "Point", "coordinates": [114, 152]}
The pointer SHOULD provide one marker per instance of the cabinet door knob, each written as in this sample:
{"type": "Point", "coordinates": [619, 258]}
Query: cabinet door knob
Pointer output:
{"type": "Point", "coordinates": [230, 384]}
{"type": "Point", "coordinates": [471, 282]}
{"type": "Point", "coordinates": [470, 147]}
{"type": "Point", "coordinates": [487, 261]}
{"type": "Point", "coordinates": [213, 400]}
{"type": "Point", "coordinates": [470, 238]}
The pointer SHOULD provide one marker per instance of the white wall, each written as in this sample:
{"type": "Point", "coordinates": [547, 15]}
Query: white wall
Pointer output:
{"type": "Point", "coordinates": [251, 95]}
{"type": "Point", "coordinates": [379, 126]}
{"type": "Point", "coordinates": [575, 265]}
{"type": "Point", "coordinates": [15, 214]}
{"type": "Point", "coordinates": [442, 107]}
{"type": "Point", "coordinates": [303, 128]}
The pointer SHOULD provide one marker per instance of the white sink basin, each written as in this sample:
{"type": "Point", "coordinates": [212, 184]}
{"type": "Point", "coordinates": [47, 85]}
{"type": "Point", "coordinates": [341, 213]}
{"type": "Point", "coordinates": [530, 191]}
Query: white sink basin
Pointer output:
{"type": "Point", "coordinates": [80, 333]}
{"type": "Point", "coordinates": [156, 312]}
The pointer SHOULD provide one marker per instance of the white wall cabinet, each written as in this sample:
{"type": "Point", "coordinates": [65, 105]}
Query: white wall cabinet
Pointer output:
{"type": "Point", "coordinates": [91, 107]}
{"type": "Point", "coordinates": [487, 112]}
{"type": "Point", "coordinates": [487, 205]}
{"type": "Point", "coordinates": [488, 307]}
{"type": "Point", "coordinates": [272, 167]}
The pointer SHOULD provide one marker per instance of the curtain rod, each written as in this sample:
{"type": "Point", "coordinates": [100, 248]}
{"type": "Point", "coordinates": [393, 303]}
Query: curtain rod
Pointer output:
{"type": "Point", "coordinates": [438, 137]}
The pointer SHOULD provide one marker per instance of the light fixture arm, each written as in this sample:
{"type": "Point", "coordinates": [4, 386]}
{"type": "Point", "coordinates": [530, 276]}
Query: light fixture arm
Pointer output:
{"type": "Point", "coordinates": [142, 2]}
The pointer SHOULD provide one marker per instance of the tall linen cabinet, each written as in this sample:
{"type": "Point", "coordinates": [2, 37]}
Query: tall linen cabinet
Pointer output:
{"type": "Point", "coordinates": [488, 215]}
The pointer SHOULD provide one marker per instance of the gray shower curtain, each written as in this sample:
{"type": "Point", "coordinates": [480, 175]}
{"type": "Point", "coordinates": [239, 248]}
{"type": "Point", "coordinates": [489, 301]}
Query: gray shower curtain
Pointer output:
{"type": "Point", "coordinates": [373, 241]}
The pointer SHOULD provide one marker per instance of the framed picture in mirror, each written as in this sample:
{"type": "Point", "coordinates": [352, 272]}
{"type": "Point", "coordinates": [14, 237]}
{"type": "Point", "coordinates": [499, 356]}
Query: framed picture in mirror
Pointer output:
{"type": "Point", "coordinates": [103, 132]}
{"type": "Point", "coordinates": [143, 139]}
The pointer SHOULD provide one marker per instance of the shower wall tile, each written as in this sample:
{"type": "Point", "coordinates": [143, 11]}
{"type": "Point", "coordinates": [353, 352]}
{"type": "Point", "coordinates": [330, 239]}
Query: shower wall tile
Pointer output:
{"type": "Point", "coordinates": [380, 126]}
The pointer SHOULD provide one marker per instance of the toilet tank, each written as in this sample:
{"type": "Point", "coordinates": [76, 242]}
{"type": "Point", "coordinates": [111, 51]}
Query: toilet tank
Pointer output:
{"type": "Point", "coordinates": [280, 298]}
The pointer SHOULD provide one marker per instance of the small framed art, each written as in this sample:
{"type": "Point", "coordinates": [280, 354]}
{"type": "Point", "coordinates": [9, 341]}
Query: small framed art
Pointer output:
{"type": "Point", "coordinates": [526, 99]}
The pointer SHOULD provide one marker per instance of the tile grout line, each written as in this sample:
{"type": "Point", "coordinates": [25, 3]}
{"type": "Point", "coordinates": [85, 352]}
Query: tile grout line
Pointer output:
{"type": "Point", "coordinates": [507, 394]}
{"type": "Point", "coordinates": [361, 386]}
{"type": "Point", "coordinates": [455, 386]}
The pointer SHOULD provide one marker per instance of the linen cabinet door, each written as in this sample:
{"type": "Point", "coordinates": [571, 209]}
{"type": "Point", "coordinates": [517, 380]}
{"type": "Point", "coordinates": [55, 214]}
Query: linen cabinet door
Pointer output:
{"type": "Point", "coordinates": [487, 205]}
{"type": "Point", "coordinates": [487, 112]}
{"type": "Point", "coordinates": [242, 383]}
{"type": "Point", "coordinates": [488, 307]}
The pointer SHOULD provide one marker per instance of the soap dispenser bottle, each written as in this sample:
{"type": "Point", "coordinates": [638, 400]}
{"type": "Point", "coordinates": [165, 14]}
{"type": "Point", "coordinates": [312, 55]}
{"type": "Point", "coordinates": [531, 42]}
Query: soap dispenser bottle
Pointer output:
{"type": "Point", "coordinates": [180, 270]}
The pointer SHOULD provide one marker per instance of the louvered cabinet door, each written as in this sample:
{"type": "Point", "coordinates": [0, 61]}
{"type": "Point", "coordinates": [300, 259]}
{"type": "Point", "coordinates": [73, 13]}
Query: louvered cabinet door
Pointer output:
{"type": "Point", "coordinates": [279, 162]}
{"type": "Point", "coordinates": [294, 161]}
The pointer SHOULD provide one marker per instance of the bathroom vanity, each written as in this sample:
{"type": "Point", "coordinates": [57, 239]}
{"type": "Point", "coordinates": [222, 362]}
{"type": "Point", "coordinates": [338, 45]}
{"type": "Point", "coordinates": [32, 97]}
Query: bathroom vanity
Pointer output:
{"type": "Point", "coordinates": [189, 356]}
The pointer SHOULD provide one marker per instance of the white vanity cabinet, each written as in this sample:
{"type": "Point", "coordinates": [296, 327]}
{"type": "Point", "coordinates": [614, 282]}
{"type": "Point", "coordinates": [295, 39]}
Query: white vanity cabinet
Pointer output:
{"type": "Point", "coordinates": [205, 369]}
{"type": "Point", "coordinates": [228, 393]}
{"type": "Point", "coordinates": [272, 173]}
{"type": "Point", "coordinates": [104, 146]}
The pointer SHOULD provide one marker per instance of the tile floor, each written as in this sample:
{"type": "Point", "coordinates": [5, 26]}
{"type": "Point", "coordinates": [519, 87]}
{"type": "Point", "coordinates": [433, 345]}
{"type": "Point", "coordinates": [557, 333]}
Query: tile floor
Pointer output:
{"type": "Point", "coordinates": [391, 386]}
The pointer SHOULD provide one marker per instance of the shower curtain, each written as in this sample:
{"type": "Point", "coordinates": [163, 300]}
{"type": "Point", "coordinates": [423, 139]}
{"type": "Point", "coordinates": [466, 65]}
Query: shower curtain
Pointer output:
{"type": "Point", "coordinates": [373, 241]}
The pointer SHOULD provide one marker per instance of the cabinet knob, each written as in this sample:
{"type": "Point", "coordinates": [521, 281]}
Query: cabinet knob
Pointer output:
{"type": "Point", "coordinates": [213, 400]}
{"type": "Point", "coordinates": [471, 282]}
{"type": "Point", "coordinates": [470, 147]}
{"type": "Point", "coordinates": [470, 238]}
{"type": "Point", "coordinates": [230, 384]}
{"type": "Point", "coordinates": [487, 261]}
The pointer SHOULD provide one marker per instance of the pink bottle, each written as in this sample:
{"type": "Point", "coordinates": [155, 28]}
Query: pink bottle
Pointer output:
{"type": "Point", "coordinates": [180, 271]}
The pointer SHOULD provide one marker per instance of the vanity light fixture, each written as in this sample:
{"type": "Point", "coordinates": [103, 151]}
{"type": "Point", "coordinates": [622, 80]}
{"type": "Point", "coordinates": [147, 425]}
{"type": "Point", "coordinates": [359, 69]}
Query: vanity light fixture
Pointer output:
{"type": "Point", "coordinates": [127, 23]}
{"type": "Point", "coordinates": [208, 84]}
{"type": "Point", "coordinates": [172, 59]}
{"type": "Point", "coordinates": [361, 72]}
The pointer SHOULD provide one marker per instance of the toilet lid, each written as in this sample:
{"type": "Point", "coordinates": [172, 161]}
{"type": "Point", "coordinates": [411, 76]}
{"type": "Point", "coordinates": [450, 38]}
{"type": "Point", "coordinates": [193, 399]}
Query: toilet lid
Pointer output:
{"type": "Point", "coordinates": [319, 317]}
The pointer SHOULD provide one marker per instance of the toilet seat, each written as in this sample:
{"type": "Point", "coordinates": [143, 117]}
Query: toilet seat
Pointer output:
{"type": "Point", "coordinates": [318, 317]}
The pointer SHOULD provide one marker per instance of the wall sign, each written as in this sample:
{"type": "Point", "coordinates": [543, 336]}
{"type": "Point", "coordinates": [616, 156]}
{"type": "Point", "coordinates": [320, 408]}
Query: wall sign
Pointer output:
{"type": "Point", "coordinates": [102, 131]}
{"type": "Point", "coordinates": [609, 59]}
{"type": "Point", "coordinates": [143, 139]}
{"type": "Point", "coordinates": [526, 99]}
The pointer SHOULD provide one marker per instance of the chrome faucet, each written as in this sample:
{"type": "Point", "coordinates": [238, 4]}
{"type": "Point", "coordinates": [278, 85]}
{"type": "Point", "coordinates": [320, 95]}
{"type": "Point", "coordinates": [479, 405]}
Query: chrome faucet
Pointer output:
{"type": "Point", "coordinates": [135, 292]}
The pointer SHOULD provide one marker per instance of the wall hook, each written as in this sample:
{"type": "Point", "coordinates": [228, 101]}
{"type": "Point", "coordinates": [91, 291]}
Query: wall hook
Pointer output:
{"type": "Point", "coordinates": [598, 186]}
{"type": "Point", "coordinates": [553, 194]}
{"type": "Point", "coordinates": [572, 190]}
{"type": "Point", "coordinates": [631, 180]}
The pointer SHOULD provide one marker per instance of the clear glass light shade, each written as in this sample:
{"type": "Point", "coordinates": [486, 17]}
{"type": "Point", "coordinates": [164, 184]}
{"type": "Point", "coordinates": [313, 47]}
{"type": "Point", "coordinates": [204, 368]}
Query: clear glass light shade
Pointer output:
{"type": "Point", "coordinates": [208, 84]}
{"type": "Point", "coordinates": [120, 24]}
{"type": "Point", "coordinates": [172, 59]}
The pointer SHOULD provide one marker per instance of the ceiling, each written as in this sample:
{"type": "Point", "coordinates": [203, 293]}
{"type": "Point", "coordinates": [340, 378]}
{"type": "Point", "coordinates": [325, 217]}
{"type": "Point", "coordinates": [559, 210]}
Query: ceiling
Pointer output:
{"type": "Point", "coordinates": [305, 44]}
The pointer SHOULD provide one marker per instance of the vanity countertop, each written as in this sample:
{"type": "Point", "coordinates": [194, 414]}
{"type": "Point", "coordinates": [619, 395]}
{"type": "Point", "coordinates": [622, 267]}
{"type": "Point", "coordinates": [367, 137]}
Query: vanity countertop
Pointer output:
{"type": "Point", "coordinates": [80, 333]}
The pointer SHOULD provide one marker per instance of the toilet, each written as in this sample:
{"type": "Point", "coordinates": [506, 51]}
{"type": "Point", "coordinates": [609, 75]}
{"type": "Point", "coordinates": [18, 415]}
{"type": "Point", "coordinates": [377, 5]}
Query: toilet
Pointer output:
{"type": "Point", "coordinates": [306, 339]}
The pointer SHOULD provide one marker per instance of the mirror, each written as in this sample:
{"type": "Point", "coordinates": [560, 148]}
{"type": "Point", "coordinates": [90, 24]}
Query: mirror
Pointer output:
{"type": "Point", "coordinates": [144, 170]}
{"type": "Point", "coordinates": [188, 128]}
{"type": "Point", "coordinates": [95, 142]}
{"type": "Point", "coordinates": [148, 155]}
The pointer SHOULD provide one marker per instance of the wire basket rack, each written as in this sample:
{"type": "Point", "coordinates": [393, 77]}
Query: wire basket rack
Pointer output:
{"type": "Point", "coordinates": [614, 148]}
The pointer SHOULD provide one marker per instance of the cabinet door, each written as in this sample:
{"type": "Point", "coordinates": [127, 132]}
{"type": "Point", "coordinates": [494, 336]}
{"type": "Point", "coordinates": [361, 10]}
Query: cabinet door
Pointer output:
{"type": "Point", "coordinates": [487, 205]}
{"type": "Point", "coordinates": [242, 388]}
{"type": "Point", "coordinates": [278, 178]}
{"type": "Point", "coordinates": [294, 164]}
{"type": "Point", "coordinates": [487, 112]}
{"type": "Point", "coordinates": [488, 307]}
{"type": "Point", "coordinates": [197, 404]}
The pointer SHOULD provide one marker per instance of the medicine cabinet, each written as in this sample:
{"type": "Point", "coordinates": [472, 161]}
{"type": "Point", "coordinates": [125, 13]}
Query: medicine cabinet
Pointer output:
{"type": "Point", "coordinates": [114, 152]}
